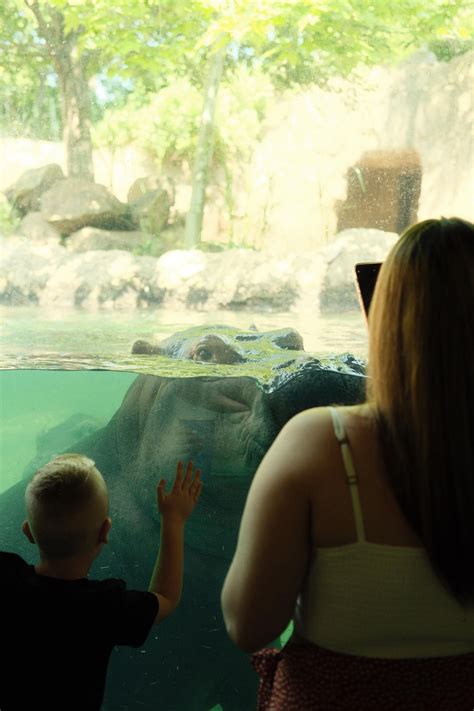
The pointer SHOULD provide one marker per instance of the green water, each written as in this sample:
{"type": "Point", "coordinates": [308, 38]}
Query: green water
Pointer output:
{"type": "Point", "coordinates": [33, 402]}
{"type": "Point", "coordinates": [59, 354]}
{"type": "Point", "coordinates": [62, 351]}
{"type": "Point", "coordinates": [29, 334]}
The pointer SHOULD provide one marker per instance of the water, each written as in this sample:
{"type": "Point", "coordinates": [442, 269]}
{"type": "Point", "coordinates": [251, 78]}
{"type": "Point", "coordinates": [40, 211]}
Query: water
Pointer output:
{"type": "Point", "coordinates": [34, 402]}
{"type": "Point", "coordinates": [64, 377]}
{"type": "Point", "coordinates": [31, 337]}
{"type": "Point", "coordinates": [34, 339]}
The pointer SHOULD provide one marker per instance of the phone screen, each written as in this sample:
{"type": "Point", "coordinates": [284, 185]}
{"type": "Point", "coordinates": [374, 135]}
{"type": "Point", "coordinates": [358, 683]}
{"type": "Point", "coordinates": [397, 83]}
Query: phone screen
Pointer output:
{"type": "Point", "coordinates": [366, 276]}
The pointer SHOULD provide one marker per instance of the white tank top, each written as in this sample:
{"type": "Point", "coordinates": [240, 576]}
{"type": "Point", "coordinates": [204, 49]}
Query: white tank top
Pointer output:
{"type": "Point", "coordinates": [377, 600]}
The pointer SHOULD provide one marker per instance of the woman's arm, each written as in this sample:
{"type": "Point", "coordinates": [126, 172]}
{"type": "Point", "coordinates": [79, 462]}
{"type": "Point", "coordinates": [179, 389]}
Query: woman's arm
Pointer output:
{"type": "Point", "coordinates": [270, 563]}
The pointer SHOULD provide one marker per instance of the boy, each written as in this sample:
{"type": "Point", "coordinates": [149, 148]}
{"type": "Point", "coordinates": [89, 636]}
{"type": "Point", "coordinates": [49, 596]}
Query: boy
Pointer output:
{"type": "Point", "coordinates": [58, 627]}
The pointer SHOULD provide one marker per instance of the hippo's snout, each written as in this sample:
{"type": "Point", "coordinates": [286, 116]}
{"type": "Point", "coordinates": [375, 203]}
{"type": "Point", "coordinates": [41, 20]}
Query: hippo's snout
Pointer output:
{"type": "Point", "coordinates": [141, 347]}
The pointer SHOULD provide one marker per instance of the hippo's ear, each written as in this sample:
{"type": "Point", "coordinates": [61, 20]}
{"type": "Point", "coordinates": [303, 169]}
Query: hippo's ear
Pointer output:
{"type": "Point", "coordinates": [27, 531]}
{"type": "Point", "coordinates": [141, 347]}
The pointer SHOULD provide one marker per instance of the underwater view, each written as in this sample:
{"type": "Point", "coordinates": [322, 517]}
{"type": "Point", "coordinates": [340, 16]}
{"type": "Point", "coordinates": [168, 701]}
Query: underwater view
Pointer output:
{"type": "Point", "coordinates": [48, 401]}
{"type": "Point", "coordinates": [136, 424]}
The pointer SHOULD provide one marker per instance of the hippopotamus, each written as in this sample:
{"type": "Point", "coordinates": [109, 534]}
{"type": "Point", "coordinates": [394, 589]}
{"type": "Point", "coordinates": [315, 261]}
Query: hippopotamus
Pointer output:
{"type": "Point", "coordinates": [226, 424]}
{"type": "Point", "coordinates": [221, 344]}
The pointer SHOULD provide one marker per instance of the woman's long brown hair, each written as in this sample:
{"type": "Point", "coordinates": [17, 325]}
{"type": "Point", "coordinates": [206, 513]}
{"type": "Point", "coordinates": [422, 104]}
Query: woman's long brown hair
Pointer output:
{"type": "Point", "coordinates": [421, 386]}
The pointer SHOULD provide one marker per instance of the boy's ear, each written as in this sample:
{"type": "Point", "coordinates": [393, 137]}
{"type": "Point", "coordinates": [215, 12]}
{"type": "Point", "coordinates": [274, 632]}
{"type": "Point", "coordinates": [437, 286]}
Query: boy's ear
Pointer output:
{"type": "Point", "coordinates": [104, 530]}
{"type": "Point", "coordinates": [27, 531]}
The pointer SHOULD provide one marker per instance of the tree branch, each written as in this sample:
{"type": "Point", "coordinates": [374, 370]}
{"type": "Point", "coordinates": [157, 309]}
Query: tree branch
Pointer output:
{"type": "Point", "coordinates": [42, 24]}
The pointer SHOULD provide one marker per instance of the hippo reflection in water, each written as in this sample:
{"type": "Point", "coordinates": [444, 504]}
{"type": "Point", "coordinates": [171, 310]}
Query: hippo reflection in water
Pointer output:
{"type": "Point", "coordinates": [188, 662]}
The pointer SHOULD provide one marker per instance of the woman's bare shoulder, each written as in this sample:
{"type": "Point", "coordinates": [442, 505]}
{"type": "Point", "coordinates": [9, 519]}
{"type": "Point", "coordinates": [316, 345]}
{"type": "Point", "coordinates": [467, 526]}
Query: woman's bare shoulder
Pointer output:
{"type": "Point", "coordinates": [318, 420]}
{"type": "Point", "coordinates": [307, 437]}
{"type": "Point", "coordinates": [308, 443]}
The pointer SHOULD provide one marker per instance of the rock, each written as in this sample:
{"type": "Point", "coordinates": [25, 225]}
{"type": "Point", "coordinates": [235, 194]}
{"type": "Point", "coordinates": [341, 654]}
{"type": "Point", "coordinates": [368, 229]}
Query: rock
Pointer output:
{"type": "Point", "coordinates": [141, 186]}
{"type": "Point", "coordinates": [338, 291]}
{"type": "Point", "coordinates": [172, 237]}
{"type": "Point", "coordinates": [96, 279]}
{"type": "Point", "coordinates": [26, 268]}
{"type": "Point", "coordinates": [25, 194]}
{"type": "Point", "coordinates": [92, 238]}
{"type": "Point", "coordinates": [35, 227]}
{"type": "Point", "coordinates": [151, 211]}
{"type": "Point", "coordinates": [74, 203]}
{"type": "Point", "coordinates": [112, 279]}
{"type": "Point", "coordinates": [234, 279]}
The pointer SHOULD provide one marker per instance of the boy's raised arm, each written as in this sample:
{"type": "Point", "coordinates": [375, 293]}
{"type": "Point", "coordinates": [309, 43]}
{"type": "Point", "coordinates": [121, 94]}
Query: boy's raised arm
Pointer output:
{"type": "Point", "coordinates": [175, 508]}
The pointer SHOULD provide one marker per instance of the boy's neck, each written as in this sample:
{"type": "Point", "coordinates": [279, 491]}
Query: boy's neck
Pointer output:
{"type": "Point", "coordinates": [65, 569]}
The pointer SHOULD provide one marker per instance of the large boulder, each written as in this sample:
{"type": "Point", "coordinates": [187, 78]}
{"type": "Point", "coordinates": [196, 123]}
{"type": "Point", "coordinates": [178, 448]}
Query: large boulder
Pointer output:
{"type": "Point", "coordinates": [111, 278]}
{"type": "Point", "coordinates": [151, 211]}
{"type": "Point", "coordinates": [234, 279]}
{"type": "Point", "coordinates": [150, 183]}
{"type": "Point", "coordinates": [26, 268]}
{"type": "Point", "coordinates": [38, 230]}
{"type": "Point", "coordinates": [25, 194]}
{"type": "Point", "coordinates": [338, 291]}
{"type": "Point", "coordinates": [74, 203]}
{"type": "Point", "coordinates": [92, 238]}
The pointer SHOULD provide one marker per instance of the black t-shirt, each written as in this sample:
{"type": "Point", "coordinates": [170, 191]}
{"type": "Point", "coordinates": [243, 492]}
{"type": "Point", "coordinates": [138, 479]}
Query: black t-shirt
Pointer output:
{"type": "Point", "coordinates": [57, 635]}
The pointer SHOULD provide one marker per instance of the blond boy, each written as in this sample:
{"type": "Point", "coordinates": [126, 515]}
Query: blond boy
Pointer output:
{"type": "Point", "coordinates": [61, 624]}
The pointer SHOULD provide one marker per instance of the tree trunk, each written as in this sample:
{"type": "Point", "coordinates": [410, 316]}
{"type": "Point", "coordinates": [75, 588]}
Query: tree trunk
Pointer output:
{"type": "Point", "coordinates": [204, 152]}
{"type": "Point", "coordinates": [76, 110]}
{"type": "Point", "coordinates": [73, 88]}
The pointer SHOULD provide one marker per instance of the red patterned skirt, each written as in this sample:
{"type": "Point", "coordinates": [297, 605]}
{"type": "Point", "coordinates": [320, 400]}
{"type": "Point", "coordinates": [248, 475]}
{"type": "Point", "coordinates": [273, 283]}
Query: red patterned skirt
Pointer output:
{"type": "Point", "coordinates": [303, 677]}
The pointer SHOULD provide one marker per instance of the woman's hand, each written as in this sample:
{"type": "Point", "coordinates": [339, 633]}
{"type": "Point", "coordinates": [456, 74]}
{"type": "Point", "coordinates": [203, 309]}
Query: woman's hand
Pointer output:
{"type": "Point", "coordinates": [184, 494]}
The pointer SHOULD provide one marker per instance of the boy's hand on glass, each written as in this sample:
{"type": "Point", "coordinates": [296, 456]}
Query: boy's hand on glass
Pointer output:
{"type": "Point", "coordinates": [184, 494]}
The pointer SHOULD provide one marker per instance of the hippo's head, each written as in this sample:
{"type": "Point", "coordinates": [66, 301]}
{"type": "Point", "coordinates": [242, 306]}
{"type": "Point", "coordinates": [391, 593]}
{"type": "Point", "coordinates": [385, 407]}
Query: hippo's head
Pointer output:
{"type": "Point", "coordinates": [222, 344]}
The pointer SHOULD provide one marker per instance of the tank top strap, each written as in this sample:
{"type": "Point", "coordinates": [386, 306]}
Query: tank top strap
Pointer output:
{"type": "Point", "coordinates": [351, 475]}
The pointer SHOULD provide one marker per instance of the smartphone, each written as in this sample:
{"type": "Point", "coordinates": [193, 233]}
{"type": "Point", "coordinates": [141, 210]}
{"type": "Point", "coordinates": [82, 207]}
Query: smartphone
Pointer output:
{"type": "Point", "coordinates": [365, 277]}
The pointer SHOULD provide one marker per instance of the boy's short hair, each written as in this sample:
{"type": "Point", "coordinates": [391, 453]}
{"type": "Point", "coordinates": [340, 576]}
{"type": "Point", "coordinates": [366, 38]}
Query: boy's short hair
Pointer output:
{"type": "Point", "coordinates": [66, 502]}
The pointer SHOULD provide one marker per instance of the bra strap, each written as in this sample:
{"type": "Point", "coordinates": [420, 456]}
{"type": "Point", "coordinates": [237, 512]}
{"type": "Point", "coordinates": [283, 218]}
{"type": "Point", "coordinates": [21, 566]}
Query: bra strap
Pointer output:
{"type": "Point", "coordinates": [351, 475]}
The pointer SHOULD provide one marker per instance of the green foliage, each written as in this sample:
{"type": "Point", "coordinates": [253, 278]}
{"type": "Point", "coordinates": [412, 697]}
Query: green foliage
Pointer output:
{"type": "Point", "coordinates": [308, 41]}
{"type": "Point", "coordinates": [157, 52]}
{"type": "Point", "coordinates": [244, 101]}
{"type": "Point", "coordinates": [29, 103]}
{"type": "Point", "coordinates": [146, 43]}
{"type": "Point", "coordinates": [166, 124]}
{"type": "Point", "coordinates": [9, 218]}
{"type": "Point", "coordinates": [446, 49]}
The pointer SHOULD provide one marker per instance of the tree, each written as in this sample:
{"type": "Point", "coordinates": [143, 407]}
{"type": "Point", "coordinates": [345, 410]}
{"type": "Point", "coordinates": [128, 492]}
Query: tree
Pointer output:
{"type": "Point", "coordinates": [142, 44]}
{"type": "Point", "coordinates": [303, 41]}
{"type": "Point", "coordinates": [204, 150]}
{"type": "Point", "coordinates": [71, 69]}
{"type": "Point", "coordinates": [74, 42]}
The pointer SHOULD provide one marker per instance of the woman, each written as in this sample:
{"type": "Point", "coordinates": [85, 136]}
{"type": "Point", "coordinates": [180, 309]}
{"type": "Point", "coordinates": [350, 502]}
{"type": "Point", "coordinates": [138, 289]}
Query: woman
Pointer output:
{"type": "Point", "coordinates": [359, 524]}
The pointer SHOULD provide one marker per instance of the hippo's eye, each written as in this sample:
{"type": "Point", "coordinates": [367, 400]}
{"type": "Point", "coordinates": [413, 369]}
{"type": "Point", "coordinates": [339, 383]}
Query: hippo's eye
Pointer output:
{"type": "Point", "coordinates": [203, 354]}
